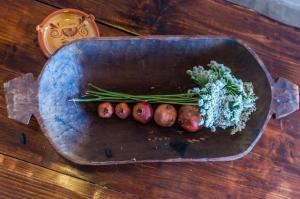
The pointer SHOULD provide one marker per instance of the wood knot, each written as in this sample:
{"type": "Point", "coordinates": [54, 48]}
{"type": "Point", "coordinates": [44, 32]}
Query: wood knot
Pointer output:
{"type": "Point", "coordinates": [108, 153]}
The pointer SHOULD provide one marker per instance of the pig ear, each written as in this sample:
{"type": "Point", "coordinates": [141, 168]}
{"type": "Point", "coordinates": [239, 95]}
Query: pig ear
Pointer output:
{"type": "Point", "coordinates": [52, 26]}
{"type": "Point", "coordinates": [82, 19]}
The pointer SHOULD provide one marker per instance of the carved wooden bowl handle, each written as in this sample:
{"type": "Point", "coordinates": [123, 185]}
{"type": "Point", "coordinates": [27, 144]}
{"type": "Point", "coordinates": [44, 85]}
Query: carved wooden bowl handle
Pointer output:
{"type": "Point", "coordinates": [21, 97]}
{"type": "Point", "coordinates": [285, 98]}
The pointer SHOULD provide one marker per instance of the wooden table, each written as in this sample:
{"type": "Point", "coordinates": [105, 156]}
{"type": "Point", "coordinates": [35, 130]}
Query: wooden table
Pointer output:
{"type": "Point", "coordinates": [35, 170]}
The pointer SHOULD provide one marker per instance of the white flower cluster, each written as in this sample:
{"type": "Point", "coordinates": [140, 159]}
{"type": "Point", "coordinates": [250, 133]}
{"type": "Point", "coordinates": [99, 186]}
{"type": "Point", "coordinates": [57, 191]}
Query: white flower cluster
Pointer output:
{"type": "Point", "coordinates": [224, 100]}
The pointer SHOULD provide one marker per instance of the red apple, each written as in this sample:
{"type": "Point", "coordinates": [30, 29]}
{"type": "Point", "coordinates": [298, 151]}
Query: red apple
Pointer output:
{"type": "Point", "coordinates": [190, 119]}
{"type": "Point", "coordinates": [142, 112]}
{"type": "Point", "coordinates": [122, 110]}
{"type": "Point", "coordinates": [105, 110]}
{"type": "Point", "coordinates": [165, 115]}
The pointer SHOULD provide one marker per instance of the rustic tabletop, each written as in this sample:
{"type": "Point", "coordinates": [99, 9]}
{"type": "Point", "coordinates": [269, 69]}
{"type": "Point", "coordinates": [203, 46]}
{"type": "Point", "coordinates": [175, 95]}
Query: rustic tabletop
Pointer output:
{"type": "Point", "coordinates": [29, 166]}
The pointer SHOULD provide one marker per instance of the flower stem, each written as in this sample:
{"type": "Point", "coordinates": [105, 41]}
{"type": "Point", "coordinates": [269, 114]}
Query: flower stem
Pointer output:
{"type": "Point", "coordinates": [99, 94]}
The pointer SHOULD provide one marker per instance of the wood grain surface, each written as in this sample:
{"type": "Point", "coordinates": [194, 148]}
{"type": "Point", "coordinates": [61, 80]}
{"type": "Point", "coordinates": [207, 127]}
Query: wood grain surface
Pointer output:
{"type": "Point", "coordinates": [271, 170]}
{"type": "Point", "coordinates": [19, 179]}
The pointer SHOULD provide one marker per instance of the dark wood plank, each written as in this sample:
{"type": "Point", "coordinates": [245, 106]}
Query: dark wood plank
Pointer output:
{"type": "Point", "coordinates": [19, 53]}
{"type": "Point", "coordinates": [277, 44]}
{"type": "Point", "coordinates": [272, 170]}
{"type": "Point", "coordinates": [18, 42]}
{"type": "Point", "coordinates": [19, 179]}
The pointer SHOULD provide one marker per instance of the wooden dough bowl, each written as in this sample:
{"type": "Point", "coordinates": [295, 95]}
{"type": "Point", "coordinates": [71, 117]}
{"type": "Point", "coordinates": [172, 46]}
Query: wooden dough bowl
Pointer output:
{"type": "Point", "coordinates": [143, 65]}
